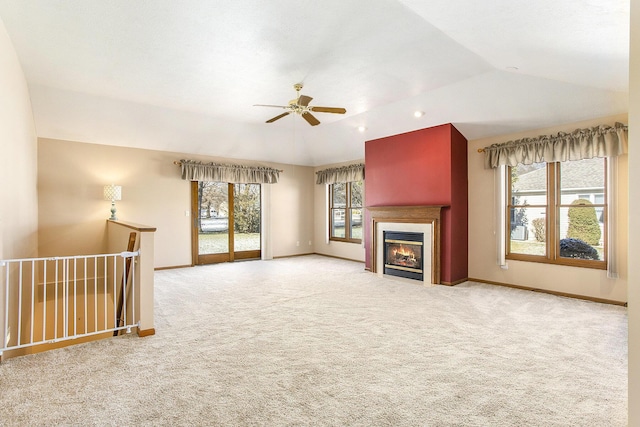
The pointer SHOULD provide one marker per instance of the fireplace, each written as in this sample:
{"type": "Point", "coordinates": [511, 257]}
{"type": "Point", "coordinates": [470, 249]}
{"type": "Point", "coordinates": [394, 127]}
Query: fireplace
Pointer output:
{"type": "Point", "coordinates": [423, 220]}
{"type": "Point", "coordinates": [403, 254]}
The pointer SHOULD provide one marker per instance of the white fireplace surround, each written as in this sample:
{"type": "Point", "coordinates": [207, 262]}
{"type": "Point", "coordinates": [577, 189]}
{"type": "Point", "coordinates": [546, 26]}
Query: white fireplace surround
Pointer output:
{"type": "Point", "coordinates": [425, 228]}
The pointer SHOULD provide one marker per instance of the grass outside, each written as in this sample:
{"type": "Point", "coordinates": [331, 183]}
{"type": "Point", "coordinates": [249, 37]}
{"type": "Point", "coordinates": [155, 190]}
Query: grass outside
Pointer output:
{"type": "Point", "coordinates": [526, 247]}
{"type": "Point", "coordinates": [218, 243]}
{"type": "Point", "coordinates": [532, 247]}
{"type": "Point", "coordinates": [356, 232]}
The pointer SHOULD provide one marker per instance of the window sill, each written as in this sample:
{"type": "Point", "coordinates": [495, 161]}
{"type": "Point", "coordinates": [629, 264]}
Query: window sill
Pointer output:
{"type": "Point", "coordinates": [335, 239]}
{"type": "Point", "coordinates": [567, 262]}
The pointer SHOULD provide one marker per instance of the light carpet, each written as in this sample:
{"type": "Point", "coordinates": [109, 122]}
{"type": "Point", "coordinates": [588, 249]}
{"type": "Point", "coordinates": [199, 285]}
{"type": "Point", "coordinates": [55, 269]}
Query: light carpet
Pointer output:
{"type": "Point", "coordinates": [316, 341]}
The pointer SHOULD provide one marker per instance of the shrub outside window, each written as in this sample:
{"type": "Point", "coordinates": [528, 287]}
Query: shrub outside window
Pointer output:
{"type": "Point", "coordinates": [557, 213]}
{"type": "Point", "coordinates": [345, 211]}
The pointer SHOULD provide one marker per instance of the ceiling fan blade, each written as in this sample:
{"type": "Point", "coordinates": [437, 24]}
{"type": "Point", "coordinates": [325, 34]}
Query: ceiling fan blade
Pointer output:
{"type": "Point", "coordinates": [309, 118]}
{"type": "Point", "coordinates": [304, 100]}
{"type": "Point", "coordinates": [328, 110]}
{"type": "Point", "coordinates": [269, 105]}
{"type": "Point", "coordinates": [277, 117]}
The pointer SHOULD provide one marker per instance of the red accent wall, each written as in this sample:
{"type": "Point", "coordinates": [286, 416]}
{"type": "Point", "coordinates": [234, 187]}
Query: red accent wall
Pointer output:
{"type": "Point", "coordinates": [424, 167]}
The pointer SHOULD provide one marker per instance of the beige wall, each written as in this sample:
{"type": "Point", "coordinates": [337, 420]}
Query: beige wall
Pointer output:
{"type": "Point", "coordinates": [351, 251]}
{"type": "Point", "coordinates": [18, 169]}
{"type": "Point", "coordinates": [634, 217]}
{"type": "Point", "coordinates": [482, 242]}
{"type": "Point", "coordinates": [73, 215]}
{"type": "Point", "coordinates": [18, 163]}
{"type": "Point", "coordinates": [292, 211]}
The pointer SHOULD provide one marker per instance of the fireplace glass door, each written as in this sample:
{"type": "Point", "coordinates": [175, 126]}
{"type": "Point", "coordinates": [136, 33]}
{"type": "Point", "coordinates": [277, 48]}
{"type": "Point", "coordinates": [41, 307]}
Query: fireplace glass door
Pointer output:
{"type": "Point", "coordinates": [403, 254]}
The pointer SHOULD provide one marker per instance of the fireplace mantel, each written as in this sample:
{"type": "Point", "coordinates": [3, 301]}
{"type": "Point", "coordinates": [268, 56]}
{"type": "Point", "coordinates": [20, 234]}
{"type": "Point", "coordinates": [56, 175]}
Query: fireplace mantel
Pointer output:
{"type": "Point", "coordinates": [408, 214]}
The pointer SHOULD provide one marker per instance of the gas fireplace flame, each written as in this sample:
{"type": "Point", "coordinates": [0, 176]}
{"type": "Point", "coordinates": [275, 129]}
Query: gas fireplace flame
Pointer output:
{"type": "Point", "coordinates": [403, 252]}
{"type": "Point", "coordinates": [404, 255]}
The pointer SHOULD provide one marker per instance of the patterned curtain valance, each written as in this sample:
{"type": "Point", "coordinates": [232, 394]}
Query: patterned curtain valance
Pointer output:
{"type": "Point", "coordinates": [600, 141]}
{"type": "Point", "coordinates": [235, 174]}
{"type": "Point", "coordinates": [349, 173]}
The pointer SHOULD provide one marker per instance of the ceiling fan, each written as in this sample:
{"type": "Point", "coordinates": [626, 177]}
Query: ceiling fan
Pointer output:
{"type": "Point", "coordinates": [301, 107]}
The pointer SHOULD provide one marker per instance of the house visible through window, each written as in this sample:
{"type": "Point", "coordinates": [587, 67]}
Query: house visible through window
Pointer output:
{"type": "Point", "coordinates": [345, 211]}
{"type": "Point", "coordinates": [557, 213]}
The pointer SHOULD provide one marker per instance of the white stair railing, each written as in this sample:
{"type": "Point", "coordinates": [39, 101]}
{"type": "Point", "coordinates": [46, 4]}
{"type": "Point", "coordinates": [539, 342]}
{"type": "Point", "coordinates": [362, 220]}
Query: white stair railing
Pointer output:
{"type": "Point", "coordinates": [47, 300]}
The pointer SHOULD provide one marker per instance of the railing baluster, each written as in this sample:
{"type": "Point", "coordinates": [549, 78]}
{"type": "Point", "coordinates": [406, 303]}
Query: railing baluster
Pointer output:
{"type": "Point", "coordinates": [55, 300]}
{"type": "Point", "coordinates": [106, 291]}
{"type": "Point", "coordinates": [65, 297]}
{"type": "Point", "coordinates": [75, 297]}
{"type": "Point", "coordinates": [133, 289]}
{"type": "Point", "coordinates": [6, 307]}
{"type": "Point", "coordinates": [115, 292]}
{"type": "Point", "coordinates": [95, 294]}
{"type": "Point", "coordinates": [85, 314]}
{"type": "Point", "coordinates": [33, 301]}
{"type": "Point", "coordinates": [124, 290]}
{"type": "Point", "coordinates": [19, 336]}
{"type": "Point", "coordinates": [44, 300]}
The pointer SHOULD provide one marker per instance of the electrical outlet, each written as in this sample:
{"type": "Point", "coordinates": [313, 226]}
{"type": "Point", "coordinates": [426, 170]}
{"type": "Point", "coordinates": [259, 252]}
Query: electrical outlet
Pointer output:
{"type": "Point", "coordinates": [298, 243]}
{"type": "Point", "coordinates": [186, 213]}
{"type": "Point", "coordinates": [309, 242]}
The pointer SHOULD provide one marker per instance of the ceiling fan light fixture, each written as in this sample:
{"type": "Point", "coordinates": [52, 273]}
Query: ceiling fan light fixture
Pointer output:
{"type": "Point", "coordinates": [300, 106]}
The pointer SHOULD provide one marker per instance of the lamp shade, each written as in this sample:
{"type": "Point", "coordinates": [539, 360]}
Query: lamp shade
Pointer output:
{"type": "Point", "coordinates": [112, 192]}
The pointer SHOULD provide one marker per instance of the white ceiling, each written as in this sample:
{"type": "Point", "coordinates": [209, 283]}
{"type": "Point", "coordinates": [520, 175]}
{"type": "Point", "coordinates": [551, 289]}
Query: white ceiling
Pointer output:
{"type": "Point", "coordinates": [183, 76]}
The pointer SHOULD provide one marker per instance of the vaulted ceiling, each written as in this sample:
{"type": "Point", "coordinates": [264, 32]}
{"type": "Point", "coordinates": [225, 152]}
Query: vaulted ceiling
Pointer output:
{"type": "Point", "coordinates": [184, 76]}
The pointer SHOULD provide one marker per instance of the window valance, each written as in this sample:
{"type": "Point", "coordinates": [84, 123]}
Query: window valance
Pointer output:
{"type": "Point", "coordinates": [349, 173]}
{"type": "Point", "coordinates": [600, 141]}
{"type": "Point", "coordinates": [235, 174]}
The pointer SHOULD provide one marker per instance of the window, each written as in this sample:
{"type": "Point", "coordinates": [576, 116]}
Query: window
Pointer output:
{"type": "Point", "coordinates": [345, 211]}
{"type": "Point", "coordinates": [557, 213]}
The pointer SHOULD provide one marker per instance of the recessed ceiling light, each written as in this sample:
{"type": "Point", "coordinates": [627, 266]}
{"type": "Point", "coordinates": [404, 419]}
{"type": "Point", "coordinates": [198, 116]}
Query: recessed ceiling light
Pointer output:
{"type": "Point", "coordinates": [418, 114]}
{"type": "Point", "coordinates": [361, 128]}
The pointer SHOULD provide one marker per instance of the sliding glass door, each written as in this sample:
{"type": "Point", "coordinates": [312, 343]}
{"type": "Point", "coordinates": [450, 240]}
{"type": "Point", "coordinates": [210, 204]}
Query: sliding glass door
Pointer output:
{"type": "Point", "coordinates": [226, 224]}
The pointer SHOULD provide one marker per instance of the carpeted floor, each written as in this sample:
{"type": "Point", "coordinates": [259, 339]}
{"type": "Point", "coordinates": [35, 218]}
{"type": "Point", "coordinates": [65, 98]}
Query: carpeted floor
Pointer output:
{"type": "Point", "coordinates": [315, 341]}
